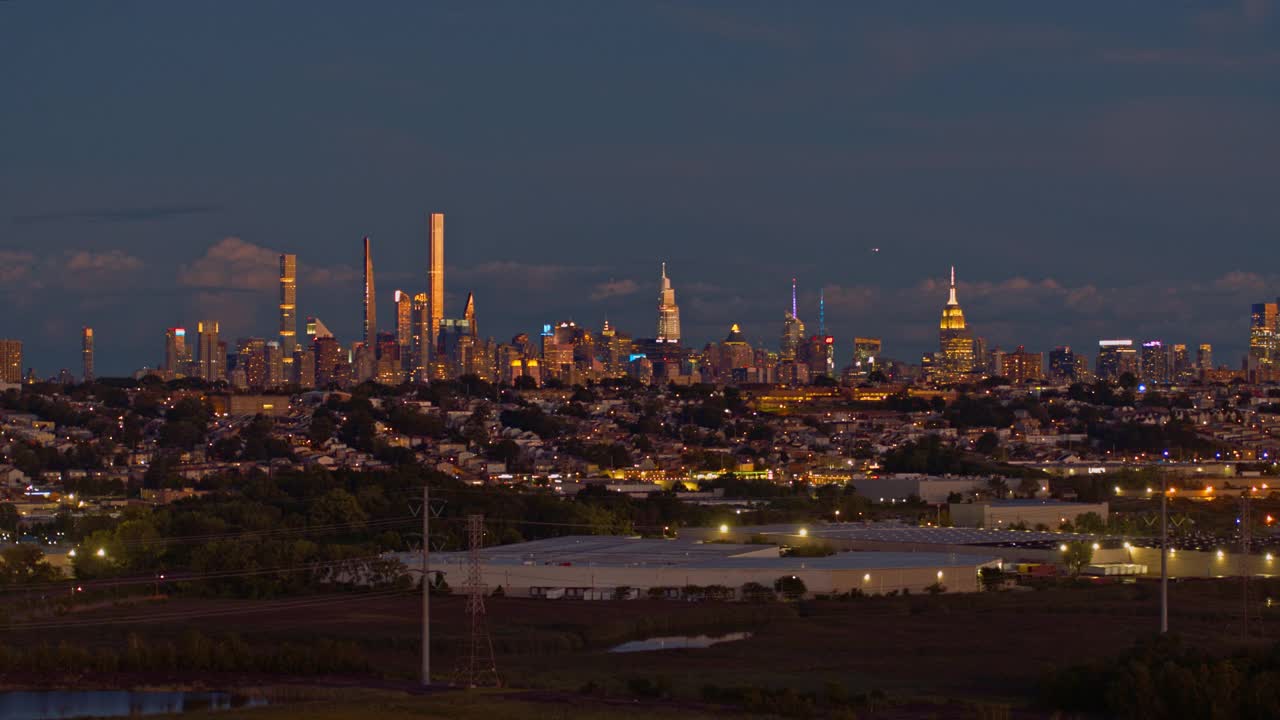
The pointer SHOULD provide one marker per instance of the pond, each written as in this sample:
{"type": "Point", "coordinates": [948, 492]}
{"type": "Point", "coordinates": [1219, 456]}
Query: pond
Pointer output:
{"type": "Point", "coordinates": [677, 642]}
{"type": "Point", "coordinates": [57, 704]}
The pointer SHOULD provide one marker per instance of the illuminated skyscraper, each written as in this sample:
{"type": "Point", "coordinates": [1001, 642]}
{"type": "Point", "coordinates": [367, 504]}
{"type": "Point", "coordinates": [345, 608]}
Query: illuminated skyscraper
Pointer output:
{"type": "Point", "coordinates": [792, 331]}
{"type": "Point", "coordinates": [328, 356]}
{"type": "Point", "coordinates": [211, 365]}
{"type": "Point", "coordinates": [955, 342]}
{"type": "Point", "coordinates": [1180, 363]}
{"type": "Point", "coordinates": [1062, 365]}
{"type": "Point", "coordinates": [865, 352]}
{"type": "Point", "coordinates": [435, 278]}
{"type": "Point", "coordinates": [177, 354]}
{"type": "Point", "coordinates": [11, 361]}
{"type": "Point", "coordinates": [469, 314]}
{"type": "Point", "coordinates": [421, 328]}
{"type": "Point", "coordinates": [404, 323]}
{"type": "Point", "coordinates": [86, 353]}
{"type": "Point", "coordinates": [668, 311]}
{"type": "Point", "coordinates": [1115, 358]}
{"type": "Point", "coordinates": [288, 311]}
{"type": "Point", "coordinates": [1204, 357]}
{"type": "Point", "coordinates": [370, 299]}
{"type": "Point", "coordinates": [1154, 362]}
{"type": "Point", "coordinates": [251, 357]}
{"type": "Point", "coordinates": [1264, 334]}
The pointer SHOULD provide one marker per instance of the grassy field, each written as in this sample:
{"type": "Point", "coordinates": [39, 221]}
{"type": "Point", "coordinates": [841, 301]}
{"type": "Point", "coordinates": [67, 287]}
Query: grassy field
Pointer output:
{"type": "Point", "coordinates": [981, 648]}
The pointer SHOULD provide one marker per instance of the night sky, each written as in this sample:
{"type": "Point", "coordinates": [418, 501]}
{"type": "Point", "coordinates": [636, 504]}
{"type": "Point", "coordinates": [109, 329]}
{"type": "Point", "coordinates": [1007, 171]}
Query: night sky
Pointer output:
{"type": "Point", "coordinates": [1093, 169]}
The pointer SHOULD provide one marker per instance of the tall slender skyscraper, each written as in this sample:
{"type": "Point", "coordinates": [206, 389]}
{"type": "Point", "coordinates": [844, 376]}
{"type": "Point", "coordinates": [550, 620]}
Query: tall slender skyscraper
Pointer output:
{"type": "Point", "coordinates": [668, 311]}
{"type": "Point", "coordinates": [86, 352]}
{"type": "Point", "coordinates": [370, 300]}
{"type": "Point", "coordinates": [421, 326]}
{"type": "Point", "coordinates": [404, 322]}
{"type": "Point", "coordinates": [435, 278]}
{"type": "Point", "coordinates": [288, 311]}
{"type": "Point", "coordinates": [212, 360]}
{"type": "Point", "coordinates": [792, 330]}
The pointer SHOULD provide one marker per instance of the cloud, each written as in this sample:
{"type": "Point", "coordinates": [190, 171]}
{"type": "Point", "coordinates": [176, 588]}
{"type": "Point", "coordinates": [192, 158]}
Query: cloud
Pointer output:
{"type": "Point", "coordinates": [614, 288]}
{"type": "Point", "coordinates": [119, 215]}
{"type": "Point", "coordinates": [15, 267]}
{"type": "Point", "coordinates": [732, 26]}
{"type": "Point", "coordinates": [112, 261]}
{"type": "Point", "coordinates": [234, 264]}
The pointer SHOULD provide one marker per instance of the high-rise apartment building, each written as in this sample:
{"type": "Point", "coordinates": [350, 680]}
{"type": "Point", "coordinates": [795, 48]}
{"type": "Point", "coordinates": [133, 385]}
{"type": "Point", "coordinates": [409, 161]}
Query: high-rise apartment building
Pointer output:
{"type": "Point", "coordinates": [370, 299]}
{"type": "Point", "coordinates": [177, 354]}
{"type": "Point", "coordinates": [328, 359]}
{"type": "Point", "coordinates": [435, 280]}
{"type": "Point", "coordinates": [11, 361]}
{"type": "Point", "coordinates": [211, 362]}
{"type": "Point", "coordinates": [288, 312]}
{"type": "Point", "coordinates": [420, 326]}
{"type": "Point", "coordinates": [954, 338]}
{"type": "Point", "coordinates": [865, 352]}
{"type": "Point", "coordinates": [668, 311]}
{"type": "Point", "coordinates": [1204, 357]}
{"type": "Point", "coordinates": [1154, 362]}
{"type": "Point", "coordinates": [1062, 365]}
{"type": "Point", "coordinates": [251, 357]}
{"type": "Point", "coordinates": [277, 376]}
{"type": "Point", "coordinates": [86, 353]}
{"type": "Point", "coordinates": [1180, 369]}
{"type": "Point", "coordinates": [1115, 358]}
{"type": "Point", "coordinates": [1021, 366]}
{"type": "Point", "coordinates": [1264, 334]}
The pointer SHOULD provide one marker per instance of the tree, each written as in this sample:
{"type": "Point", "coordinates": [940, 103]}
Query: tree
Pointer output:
{"type": "Point", "coordinates": [790, 587]}
{"type": "Point", "coordinates": [988, 443]}
{"type": "Point", "coordinates": [1077, 556]}
{"type": "Point", "coordinates": [337, 507]}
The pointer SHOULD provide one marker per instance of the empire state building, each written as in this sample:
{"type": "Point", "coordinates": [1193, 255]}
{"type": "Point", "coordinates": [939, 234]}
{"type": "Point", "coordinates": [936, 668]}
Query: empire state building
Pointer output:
{"type": "Point", "coordinates": [954, 339]}
{"type": "Point", "coordinates": [668, 311]}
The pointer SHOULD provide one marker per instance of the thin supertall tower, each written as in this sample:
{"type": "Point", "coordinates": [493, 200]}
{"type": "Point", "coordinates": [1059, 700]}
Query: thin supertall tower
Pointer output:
{"type": "Point", "coordinates": [86, 352]}
{"type": "Point", "coordinates": [370, 299]}
{"type": "Point", "coordinates": [288, 311]}
{"type": "Point", "coordinates": [435, 279]}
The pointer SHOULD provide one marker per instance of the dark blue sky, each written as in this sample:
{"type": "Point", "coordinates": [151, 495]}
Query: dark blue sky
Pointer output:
{"type": "Point", "coordinates": [1093, 169]}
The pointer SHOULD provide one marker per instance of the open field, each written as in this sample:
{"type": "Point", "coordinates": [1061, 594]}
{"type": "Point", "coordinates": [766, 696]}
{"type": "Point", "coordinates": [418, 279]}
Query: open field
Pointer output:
{"type": "Point", "coordinates": [990, 647]}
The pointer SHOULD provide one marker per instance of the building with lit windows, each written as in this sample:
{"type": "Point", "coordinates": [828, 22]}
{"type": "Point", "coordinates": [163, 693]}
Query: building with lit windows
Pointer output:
{"type": "Point", "coordinates": [1062, 365]}
{"type": "Point", "coordinates": [1204, 357]}
{"type": "Point", "coordinates": [212, 360]}
{"type": "Point", "coordinates": [955, 357]}
{"type": "Point", "coordinates": [11, 361]}
{"type": "Point", "coordinates": [404, 323]}
{"type": "Point", "coordinates": [435, 280]}
{"type": "Point", "coordinates": [1264, 334]}
{"type": "Point", "coordinates": [1153, 364]}
{"type": "Point", "coordinates": [792, 331]}
{"type": "Point", "coordinates": [86, 353]}
{"type": "Point", "coordinates": [177, 354]}
{"type": "Point", "coordinates": [1115, 358]}
{"type": "Point", "coordinates": [288, 312]}
{"type": "Point", "coordinates": [1021, 366]}
{"type": "Point", "coordinates": [370, 299]}
{"type": "Point", "coordinates": [668, 311]}
{"type": "Point", "coordinates": [865, 352]}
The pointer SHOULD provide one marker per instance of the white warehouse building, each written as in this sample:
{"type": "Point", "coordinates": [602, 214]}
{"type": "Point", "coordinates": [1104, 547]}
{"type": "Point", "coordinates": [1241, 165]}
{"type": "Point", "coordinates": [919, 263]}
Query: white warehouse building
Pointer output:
{"type": "Point", "coordinates": [596, 567]}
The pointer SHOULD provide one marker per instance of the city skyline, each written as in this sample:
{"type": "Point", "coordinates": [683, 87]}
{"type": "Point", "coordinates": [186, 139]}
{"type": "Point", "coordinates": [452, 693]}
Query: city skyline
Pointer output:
{"type": "Point", "coordinates": [1096, 205]}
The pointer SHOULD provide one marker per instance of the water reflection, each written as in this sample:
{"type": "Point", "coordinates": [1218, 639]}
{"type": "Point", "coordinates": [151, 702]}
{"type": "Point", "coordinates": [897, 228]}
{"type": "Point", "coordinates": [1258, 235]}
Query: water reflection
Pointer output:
{"type": "Point", "coordinates": [677, 642]}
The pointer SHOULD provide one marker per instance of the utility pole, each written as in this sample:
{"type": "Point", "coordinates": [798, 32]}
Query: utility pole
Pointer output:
{"type": "Point", "coordinates": [1246, 546]}
{"type": "Point", "coordinates": [426, 588]}
{"type": "Point", "coordinates": [1164, 553]}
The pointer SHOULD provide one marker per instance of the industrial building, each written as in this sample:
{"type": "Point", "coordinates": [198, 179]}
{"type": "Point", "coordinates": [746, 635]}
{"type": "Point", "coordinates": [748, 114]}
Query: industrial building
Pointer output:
{"type": "Point", "coordinates": [1005, 513]}
{"type": "Point", "coordinates": [600, 567]}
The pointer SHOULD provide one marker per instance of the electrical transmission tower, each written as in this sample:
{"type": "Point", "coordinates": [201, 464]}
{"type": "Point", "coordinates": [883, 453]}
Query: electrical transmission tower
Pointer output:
{"type": "Point", "coordinates": [1246, 561]}
{"type": "Point", "coordinates": [477, 667]}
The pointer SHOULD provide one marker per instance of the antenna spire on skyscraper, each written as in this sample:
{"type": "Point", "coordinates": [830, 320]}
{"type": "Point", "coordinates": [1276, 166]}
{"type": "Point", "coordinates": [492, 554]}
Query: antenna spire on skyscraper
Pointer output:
{"type": "Point", "coordinates": [822, 313]}
{"type": "Point", "coordinates": [951, 300]}
{"type": "Point", "coordinates": [794, 314]}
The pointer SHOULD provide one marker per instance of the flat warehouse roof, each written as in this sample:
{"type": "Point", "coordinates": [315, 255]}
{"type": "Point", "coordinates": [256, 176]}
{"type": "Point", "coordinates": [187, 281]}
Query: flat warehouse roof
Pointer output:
{"type": "Point", "coordinates": [910, 534]}
{"type": "Point", "coordinates": [613, 551]}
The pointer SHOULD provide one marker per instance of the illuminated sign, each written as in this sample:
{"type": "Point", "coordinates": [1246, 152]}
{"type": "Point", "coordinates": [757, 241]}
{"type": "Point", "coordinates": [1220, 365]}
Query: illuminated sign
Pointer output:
{"type": "Point", "coordinates": [1115, 343]}
{"type": "Point", "coordinates": [1097, 470]}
